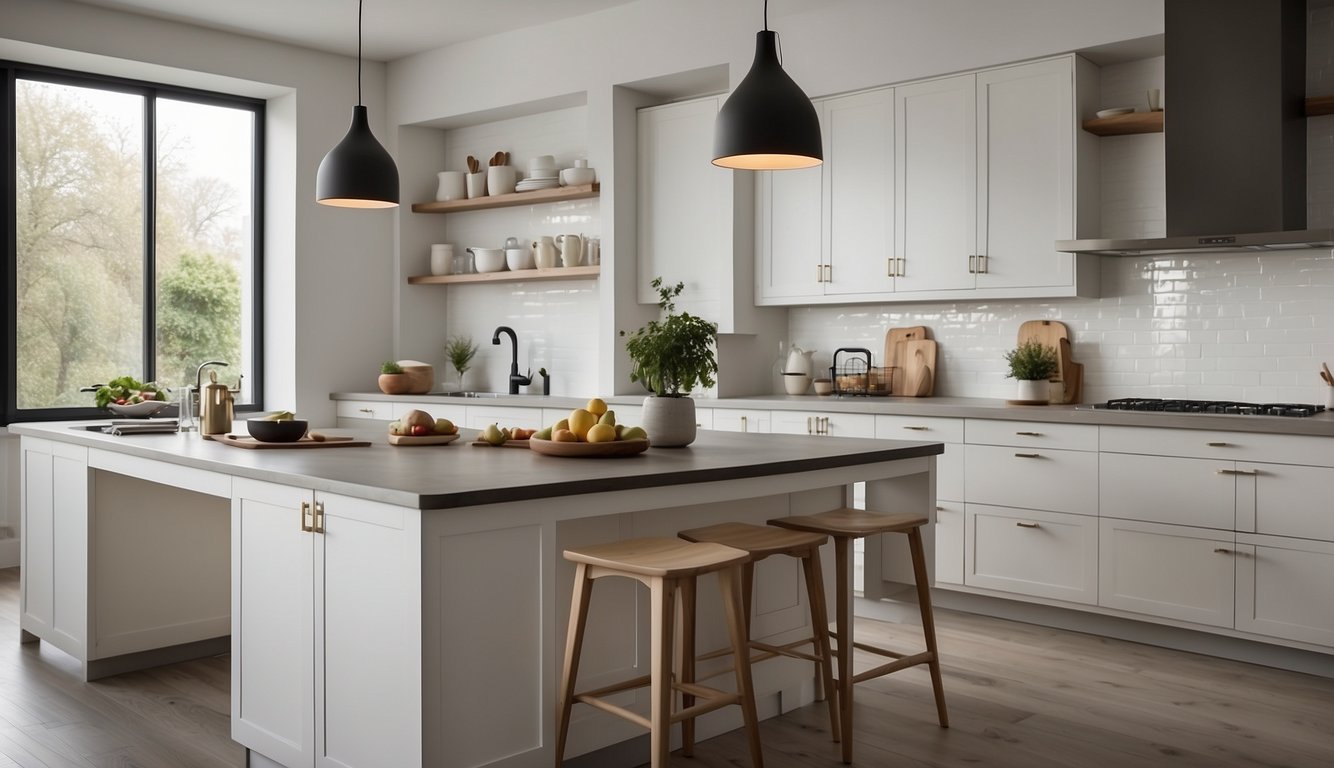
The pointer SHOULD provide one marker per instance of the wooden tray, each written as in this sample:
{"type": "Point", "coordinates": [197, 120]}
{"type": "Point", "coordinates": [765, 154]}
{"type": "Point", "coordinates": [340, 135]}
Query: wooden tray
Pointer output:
{"type": "Point", "coordinates": [422, 439]}
{"type": "Point", "coordinates": [240, 441]}
{"type": "Point", "coordinates": [1028, 402]}
{"type": "Point", "coordinates": [589, 450]}
{"type": "Point", "coordinates": [511, 443]}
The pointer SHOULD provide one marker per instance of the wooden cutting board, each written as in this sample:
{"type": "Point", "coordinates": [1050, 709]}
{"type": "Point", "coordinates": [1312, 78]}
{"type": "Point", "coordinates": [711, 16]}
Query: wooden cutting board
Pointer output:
{"type": "Point", "coordinates": [1048, 333]}
{"type": "Point", "coordinates": [919, 363]}
{"type": "Point", "coordinates": [894, 354]}
{"type": "Point", "coordinates": [240, 441]}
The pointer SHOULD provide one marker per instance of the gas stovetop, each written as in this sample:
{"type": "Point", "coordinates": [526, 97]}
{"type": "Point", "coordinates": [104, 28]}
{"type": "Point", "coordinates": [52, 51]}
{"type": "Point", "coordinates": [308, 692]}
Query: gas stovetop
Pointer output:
{"type": "Point", "coordinates": [1210, 406]}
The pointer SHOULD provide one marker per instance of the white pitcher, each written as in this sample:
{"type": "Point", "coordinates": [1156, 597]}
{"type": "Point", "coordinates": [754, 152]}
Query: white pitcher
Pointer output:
{"type": "Point", "coordinates": [798, 361]}
{"type": "Point", "coordinates": [544, 252]}
{"type": "Point", "coordinates": [571, 249]}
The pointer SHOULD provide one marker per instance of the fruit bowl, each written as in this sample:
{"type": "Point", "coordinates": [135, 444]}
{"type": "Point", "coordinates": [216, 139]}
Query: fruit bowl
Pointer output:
{"type": "Point", "coordinates": [138, 410]}
{"type": "Point", "coordinates": [588, 450]}
{"type": "Point", "coordinates": [288, 431]}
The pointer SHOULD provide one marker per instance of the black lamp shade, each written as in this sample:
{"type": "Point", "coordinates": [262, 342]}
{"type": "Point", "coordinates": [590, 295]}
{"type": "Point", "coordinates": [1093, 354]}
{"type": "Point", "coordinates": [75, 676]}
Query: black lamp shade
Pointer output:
{"type": "Point", "coordinates": [767, 123]}
{"type": "Point", "coordinates": [358, 173]}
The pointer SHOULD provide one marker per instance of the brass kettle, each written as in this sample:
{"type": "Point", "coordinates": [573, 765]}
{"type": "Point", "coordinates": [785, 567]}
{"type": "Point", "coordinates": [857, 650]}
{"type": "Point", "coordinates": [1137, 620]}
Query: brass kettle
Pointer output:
{"type": "Point", "coordinates": [215, 407]}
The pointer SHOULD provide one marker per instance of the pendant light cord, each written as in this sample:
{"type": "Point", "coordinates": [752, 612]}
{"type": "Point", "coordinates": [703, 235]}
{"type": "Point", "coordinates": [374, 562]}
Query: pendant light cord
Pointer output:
{"type": "Point", "coordinates": [360, 3]}
{"type": "Point", "coordinates": [766, 15]}
{"type": "Point", "coordinates": [777, 39]}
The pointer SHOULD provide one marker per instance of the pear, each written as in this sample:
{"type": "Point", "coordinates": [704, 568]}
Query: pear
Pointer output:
{"type": "Point", "coordinates": [544, 434]}
{"type": "Point", "coordinates": [608, 418]}
{"type": "Point", "coordinates": [494, 435]}
{"type": "Point", "coordinates": [634, 433]}
{"type": "Point", "coordinates": [562, 424]}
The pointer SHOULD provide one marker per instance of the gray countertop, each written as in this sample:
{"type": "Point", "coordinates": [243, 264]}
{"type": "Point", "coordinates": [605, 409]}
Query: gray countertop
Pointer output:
{"type": "Point", "coordinates": [460, 474]}
{"type": "Point", "coordinates": [954, 407]}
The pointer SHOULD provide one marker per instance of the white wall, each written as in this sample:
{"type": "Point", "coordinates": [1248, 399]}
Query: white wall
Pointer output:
{"type": "Point", "coordinates": [328, 271]}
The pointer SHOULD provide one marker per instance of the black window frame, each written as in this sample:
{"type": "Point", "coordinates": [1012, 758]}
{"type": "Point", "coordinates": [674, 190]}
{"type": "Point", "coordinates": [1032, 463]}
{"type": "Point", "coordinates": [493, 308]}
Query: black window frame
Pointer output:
{"type": "Point", "coordinates": [12, 72]}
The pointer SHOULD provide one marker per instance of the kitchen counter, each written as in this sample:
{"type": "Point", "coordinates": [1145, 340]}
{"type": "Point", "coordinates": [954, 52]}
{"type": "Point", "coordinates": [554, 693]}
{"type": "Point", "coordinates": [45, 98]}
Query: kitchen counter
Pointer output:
{"type": "Point", "coordinates": [366, 594]}
{"type": "Point", "coordinates": [956, 407]}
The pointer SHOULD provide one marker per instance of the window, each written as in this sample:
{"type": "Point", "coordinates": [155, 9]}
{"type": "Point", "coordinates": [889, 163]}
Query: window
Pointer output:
{"type": "Point", "coordinates": [133, 235]}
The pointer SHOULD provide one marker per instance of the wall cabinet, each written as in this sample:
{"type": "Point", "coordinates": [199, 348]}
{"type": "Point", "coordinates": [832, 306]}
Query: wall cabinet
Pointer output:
{"type": "Point", "coordinates": [687, 214]}
{"type": "Point", "coordinates": [322, 646]}
{"type": "Point", "coordinates": [983, 169]}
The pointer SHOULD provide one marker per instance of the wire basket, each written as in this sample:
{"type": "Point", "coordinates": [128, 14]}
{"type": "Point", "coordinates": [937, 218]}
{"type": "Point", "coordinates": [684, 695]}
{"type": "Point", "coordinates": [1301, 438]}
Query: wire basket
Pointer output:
{"type": "Point", "coordinates": [853, 373]}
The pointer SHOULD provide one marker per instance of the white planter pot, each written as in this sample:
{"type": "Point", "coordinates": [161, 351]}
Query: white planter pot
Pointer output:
{"type": "Point", "coordinates": [669, 421]}
{"type": "Point", "coordinates": [1032, 390]}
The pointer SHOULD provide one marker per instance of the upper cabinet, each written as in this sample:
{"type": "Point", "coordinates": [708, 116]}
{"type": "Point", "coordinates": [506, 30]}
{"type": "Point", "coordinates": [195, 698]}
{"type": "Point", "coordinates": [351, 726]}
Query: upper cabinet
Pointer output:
{"type": "Point", "coordinates": [983, 183]}
{"type": "Point", "coordinates": [688, 213]}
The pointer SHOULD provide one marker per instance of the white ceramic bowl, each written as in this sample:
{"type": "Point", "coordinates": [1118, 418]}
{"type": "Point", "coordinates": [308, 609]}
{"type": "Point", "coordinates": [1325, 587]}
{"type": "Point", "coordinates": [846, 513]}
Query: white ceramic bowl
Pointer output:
{"type": "Point", "coordinates": [138, 410]}
{"type": "Point", "coordinates": [518, 258]}
{"type": "Point", "coordinates": [573, 177]}
{"type": "Point", "coordinates": [796, 383]}
{"type": "Point", "coordinates": [541, 162]}
{"type": "Point", "coordinates": [824, 387]}
{"type": "Point", "coordinates": [488, 259]}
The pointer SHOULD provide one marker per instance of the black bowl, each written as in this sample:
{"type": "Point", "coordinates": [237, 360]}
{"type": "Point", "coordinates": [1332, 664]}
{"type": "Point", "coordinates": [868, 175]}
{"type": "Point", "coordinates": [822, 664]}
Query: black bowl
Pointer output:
{"type": "Point", "coordinates": [277, 431]}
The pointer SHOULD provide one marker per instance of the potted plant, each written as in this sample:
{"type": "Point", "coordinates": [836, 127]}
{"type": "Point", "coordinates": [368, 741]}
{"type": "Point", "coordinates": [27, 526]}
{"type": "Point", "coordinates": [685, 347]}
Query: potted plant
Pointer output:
{"type": "Point", "coordinates": [393, 381]}
{"type": "Point", "coordinates": [460, 350]}
{"type": "Point", "coordinates": [671, 356]}
{"type": "Point", "coordinates": [1032, 363]}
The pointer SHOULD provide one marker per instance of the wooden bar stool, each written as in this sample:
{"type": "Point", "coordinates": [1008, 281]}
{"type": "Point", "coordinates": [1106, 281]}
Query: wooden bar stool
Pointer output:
{"type": "Point", "coordinates": [668, 567]}
{"type": "Point", "coordinates": [760, 542]}
{"type": "Point", "coordinates": [844, 526]}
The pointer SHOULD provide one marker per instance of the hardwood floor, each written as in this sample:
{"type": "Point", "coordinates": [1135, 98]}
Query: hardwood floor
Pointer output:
{"type": "Point", "coordinates": [1019, 695]}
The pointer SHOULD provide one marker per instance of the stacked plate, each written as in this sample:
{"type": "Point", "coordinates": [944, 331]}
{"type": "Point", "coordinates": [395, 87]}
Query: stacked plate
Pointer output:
{"type": "Point", "coordinates": [538, 180]}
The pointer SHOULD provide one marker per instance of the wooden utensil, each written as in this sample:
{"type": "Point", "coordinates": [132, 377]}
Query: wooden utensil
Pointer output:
{"type": "Point", "coordinates": [506, 160]}
{"type": "Point", "coordinates": [894, 354]}
{"type": "Point", "coordinates": [1329, 377]}
{"type": "Point", "coordinates": [919, 358]}
{"type": "Point", "coordinates": [473, 165]}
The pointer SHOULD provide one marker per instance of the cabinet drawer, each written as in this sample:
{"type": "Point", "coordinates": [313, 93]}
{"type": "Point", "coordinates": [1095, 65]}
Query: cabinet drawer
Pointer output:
{"type": "Point", "coordinates": [1044, 554]}
{"type": "Point", "coordinates": [479, 416]}
{"type": "Point", "coordinates": [1231, 446]}
{"type": "Point", "coordinates": [1167, 570]}
{"type": "Point", "coordinates": [1167, 490]}
{"type": "Point", "coordinates": [378, 410]}
{"type": "Point", "coordinates": [1031, 434]}
{"type": "Point", "coordinates": [1061, 481]}
{"type": "Point", "coordinates": [740, 420]}
{"type": "Point", "coordinates": [1283, 588]}
{"type": "Point", "coordinates": [896, 427]}
{"type": "Point", "coordinates": [816, 423]}
{"type": "Point", "coordinates": [1287, 500]}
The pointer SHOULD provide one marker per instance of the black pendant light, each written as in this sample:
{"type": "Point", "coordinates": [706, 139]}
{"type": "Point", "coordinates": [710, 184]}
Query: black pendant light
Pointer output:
{"type": "Point", "coordinates": [358, 173]}
{"type": "Point", "coordinates": [768, 123]}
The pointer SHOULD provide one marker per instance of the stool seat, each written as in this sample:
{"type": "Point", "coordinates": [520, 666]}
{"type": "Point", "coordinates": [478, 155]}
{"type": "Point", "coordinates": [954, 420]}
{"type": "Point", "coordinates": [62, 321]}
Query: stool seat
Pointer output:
{"type": "Point", "coordinates": [852, 522]}
{"type": "Point", "coordinates": [760, 541]}
{"type": "Point", "coordinates": [658, 557]}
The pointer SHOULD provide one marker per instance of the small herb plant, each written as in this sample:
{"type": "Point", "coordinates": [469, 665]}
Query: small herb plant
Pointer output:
{"type": "Point", "coordinates": [675, 354]}
{"type": "Point", "coordinates": [1032, 361]}
{"type": "Point", "coordinates": [390, 367]}
{"type": "Point", "coordinates": [461, 350]}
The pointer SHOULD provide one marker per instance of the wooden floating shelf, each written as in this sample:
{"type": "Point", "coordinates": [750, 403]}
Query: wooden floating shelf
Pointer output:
{"type": "Point", "coordinates": [554, 195]}
{"type": "Point", "coordinates": [1127, 124]}
{"type": "Point", "coordinates": [505, 276]}
{"type": "Point", "coordinates": [1319, 105]}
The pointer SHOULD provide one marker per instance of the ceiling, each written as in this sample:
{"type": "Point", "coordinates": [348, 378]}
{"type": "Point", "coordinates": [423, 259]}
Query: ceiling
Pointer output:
{"type": "Point", "coordinates": [392, 28]}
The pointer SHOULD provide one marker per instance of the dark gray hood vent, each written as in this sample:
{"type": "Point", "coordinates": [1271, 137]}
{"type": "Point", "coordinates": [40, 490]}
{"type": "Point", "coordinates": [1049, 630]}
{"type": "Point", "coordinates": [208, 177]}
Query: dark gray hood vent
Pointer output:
{"type": "Point", "coordinates": [1235, 141]}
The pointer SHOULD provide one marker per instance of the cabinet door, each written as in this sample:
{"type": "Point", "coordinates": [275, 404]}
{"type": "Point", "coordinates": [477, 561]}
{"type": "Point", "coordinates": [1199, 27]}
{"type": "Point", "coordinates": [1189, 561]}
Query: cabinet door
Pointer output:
{"type": "Point", "coordinates": [377, 410]}
{"type": "Point", "coordinates": [1044, 554]}
{"type": "Point", "coordinates": [936, 184]}
{"type": "Point", "coordinates": [1026, 174]}
{"type": "Point", "coordinates": [273, 651]}
{"type": "Point", "coordinates": [740, 420]}
{"type": "Point", "coordinates": [367, 642]}
{"type": "Point", "coordinates": [790, 232]}
{"type": "Point", "coordinates": [859, 192]}
{"type": "Point", "coordinates": [949, 542]}
{"type": "Point", "coordinates": [685, 207]}
{"type": "Point", "coordinates": [1283, 588]}
{"type": "Point", "coordinates": [480, 416]}
{"type": "Point", "coordinates": [1163, 489]}
{"type": "Point", "coordinates": [1286, 500]}
{"type": "Point", "coordinates": [54, 555]}
{"type": "Point", "coordinates": [1171, 571]}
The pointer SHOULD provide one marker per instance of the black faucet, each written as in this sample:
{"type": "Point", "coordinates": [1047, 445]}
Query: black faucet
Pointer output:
{"type": "Point", "coordinates": [516, 380]}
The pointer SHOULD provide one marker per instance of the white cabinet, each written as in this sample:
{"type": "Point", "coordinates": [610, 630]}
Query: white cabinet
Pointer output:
{"type": "Point", "coordinates": [820, 423]}
{"type": "Point", "coordinates": [740, 420]}
{"type": "Point", "coordinates": [480, 416]}
{"type": "Point", "coordinates": [1044, 554]}
{"type": "Point", "coordinates": [949, 528]}
{"type": "Point", "coordinates": [326, 652]}
{"type": "Point", "coordinates": [54, 555]}
{"type": "Point", "coordinates": [377, 410]}
{"type": "Point", "coordinates": [791, 267]}
{"type": "Point", "coordinates": [455, 413]}
{"type": "Point", "coordinates": [686, 216]}
{"type": "Point", "coordinates": [1173, 571]}
{"type": "Point", "coordinates": [1283, 588]}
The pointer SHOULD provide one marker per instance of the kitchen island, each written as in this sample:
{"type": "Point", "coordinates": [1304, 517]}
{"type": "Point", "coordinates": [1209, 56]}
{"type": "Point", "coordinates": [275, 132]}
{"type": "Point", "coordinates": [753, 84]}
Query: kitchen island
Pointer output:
{"type": "Point", "coordinates": [405, 606]}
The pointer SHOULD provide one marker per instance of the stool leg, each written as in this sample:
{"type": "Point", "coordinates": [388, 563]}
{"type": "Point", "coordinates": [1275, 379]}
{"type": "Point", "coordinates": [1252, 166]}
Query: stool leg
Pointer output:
{"type": "Point", "coordinates": [574, 641]}
{"type": "Point", "coordinates": [663, 608]}
{"type": "Point", "coordinates": [843, 622]}
{"type": "Point", "coordinates": [820, 620]}
{"type": "Point", "coordinates": [687, 663]}
{"type": "Point", "coordinates": [928, 621]}
{"type": "Point", "coordinates": [732, 602]}
{"type": "Point", "coordinates": [747, 592]}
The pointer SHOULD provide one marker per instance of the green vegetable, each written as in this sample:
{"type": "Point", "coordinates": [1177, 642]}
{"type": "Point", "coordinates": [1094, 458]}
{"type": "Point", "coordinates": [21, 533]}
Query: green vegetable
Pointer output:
{"type": "Point", "coordinates": [391, 367]}
{"type": "Point", "coordinates": [127, 388]}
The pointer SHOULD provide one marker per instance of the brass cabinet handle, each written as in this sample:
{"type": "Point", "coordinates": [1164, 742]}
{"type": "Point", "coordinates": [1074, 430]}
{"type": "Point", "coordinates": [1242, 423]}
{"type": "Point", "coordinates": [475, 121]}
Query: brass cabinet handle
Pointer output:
{"type": "Point", "coordinates": [972, 268]}
{"type": "Point", "coordinates": [1218, 445]}
{"type": "Point", "coordinates": [983, 265]}
{"type": "Point", "coordinates": [365, 410]}
{"type": "Point", "coordinates": [744, 428]}
{"type": "Point", "coordinates": [306, 527]}
{"type": "Point", "coordinates": [889, 267]}
{"type": "Point", "coordinates": [809, 431]}
{"type": "Point", "coordinates": [1028, 455]}
{"type": "Point", "coordinates": [1223, 550]}
{"type": "Point", "coordinates": [829, 273]}
{"type": "Point", "coordinates": [824, 425]}
{"type": "Point", "coordinates": [1029, 434]}
{"type": "Point", "coordinates": [1028, 525]}
{"type": "Point", "coordinates": [819, 273]}
{"type": "Point", "coordinates": [1238, 472]}
{"type": "Point", "coordinates": [919, 429]}
{"type": "Point", "coordinates": [319, 518]}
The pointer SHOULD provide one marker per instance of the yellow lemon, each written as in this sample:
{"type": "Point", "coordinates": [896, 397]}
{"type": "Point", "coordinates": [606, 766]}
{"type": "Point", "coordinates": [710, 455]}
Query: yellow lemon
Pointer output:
{"type": "Point", "coordinates": [601, 433]}
{"type": "Point", "coordinates": [596, 406]}
{"type": "Point", "coordinates": [580, 421]}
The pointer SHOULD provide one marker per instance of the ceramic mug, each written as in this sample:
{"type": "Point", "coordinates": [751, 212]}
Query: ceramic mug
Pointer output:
{"type": "Point", "coordinates": [500, 179]}
{"type": "Point", "coordinates": [477, 184]}
{"type": "Point", "coordinates": [544, 252]}
{"type": "Point", "coordinates": [451, 186]}
{"type": "Point", "coordinates": [442, 258]}
{"type": "Point", "coordinates": [571, 250]}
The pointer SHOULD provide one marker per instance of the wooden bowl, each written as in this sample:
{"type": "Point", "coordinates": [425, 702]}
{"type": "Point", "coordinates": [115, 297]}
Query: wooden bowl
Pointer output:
{"type": "Point", "coordinates": [588, 450]}
{"type": "Point", "coordinates": [395, 383]}
{"type": "Point", "coordinates": [420, 378]}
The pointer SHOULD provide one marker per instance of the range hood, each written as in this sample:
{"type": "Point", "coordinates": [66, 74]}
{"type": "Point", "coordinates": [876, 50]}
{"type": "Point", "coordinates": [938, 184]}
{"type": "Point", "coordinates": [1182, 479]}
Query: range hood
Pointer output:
{"type": "Point", "coordinates": [1235, 143]}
